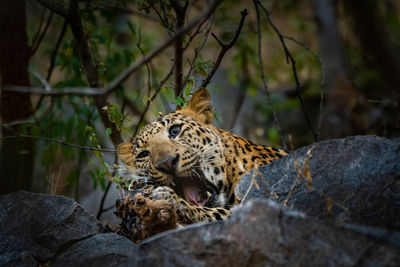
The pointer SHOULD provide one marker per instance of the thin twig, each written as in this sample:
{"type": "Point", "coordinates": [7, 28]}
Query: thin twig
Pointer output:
{"type": "Point", "coordinates": [103, 198]}
{"type": "Point", "coordinates": [321, 62]}
{"type": "Point", "coordinates": [224, 48]}
{"type": "Point", "coordinates": [52, 64]}
{"type": "Point", "coordinates": [198, 48]}
{"type": "Point", "coordinates": [149, 101]}
{"type": "Point", "coordinates": [58, 141]}
{"type": "Point", "coordinates": [244, 84]}
{"type": "Point", "coordinates": [290, 58]}
{"type": "Point", "coordinates": [269, 100]}
{"type": "Point", "coordinates": [164, 20]}
{"type": "Point", "coordinates": [109, 208]}
{"type": "Point", "coordinates": [44, 114]}
{"type": "Point", "coordinates": [123, 76]}
{"type": "Point", "coordinates": [55, 6]}
{"type": "Point", "coordinates": [36, 45]}
{"type": "Point", "coordinates": [198, 30]}
{"type": "Point", "coordinates": [55, 51]}
{"type": "Point", "coordinates": [39, 29]}
{"type": "Point", "coordinates": [138, 44]}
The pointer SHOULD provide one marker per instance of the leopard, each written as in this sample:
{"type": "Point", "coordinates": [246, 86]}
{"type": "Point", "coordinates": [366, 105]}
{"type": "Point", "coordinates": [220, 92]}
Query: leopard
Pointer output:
{"type": "Point", "coordinates": [191, 164]}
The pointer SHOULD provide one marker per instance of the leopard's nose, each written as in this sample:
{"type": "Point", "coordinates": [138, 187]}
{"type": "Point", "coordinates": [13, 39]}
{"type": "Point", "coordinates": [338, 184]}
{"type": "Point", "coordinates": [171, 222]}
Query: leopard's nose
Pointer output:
{"type": "Point", "coordinates": [168, 165]}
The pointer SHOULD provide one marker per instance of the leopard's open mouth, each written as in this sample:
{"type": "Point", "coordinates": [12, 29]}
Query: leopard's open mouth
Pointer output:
{"type": "Point", "coordinates": [196, 189]}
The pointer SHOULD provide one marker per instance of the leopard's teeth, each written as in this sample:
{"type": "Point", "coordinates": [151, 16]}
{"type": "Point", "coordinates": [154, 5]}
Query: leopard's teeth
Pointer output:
{"type": "Point", "coordinates": [208, 195]}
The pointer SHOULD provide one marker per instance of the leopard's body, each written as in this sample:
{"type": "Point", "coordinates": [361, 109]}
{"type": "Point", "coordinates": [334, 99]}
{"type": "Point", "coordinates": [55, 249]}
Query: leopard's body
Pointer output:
{"type": "Point", "coordinates": [194, 165]}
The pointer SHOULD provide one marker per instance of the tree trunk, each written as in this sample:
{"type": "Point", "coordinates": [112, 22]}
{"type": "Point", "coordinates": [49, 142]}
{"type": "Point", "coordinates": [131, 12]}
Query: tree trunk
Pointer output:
{"type": "Point", "coordinates": [16, 154]}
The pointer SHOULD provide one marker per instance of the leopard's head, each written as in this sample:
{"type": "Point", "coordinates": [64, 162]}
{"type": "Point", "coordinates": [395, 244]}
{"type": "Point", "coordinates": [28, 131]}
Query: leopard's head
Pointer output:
{"type": "Point", "coordinates": [182, 150]}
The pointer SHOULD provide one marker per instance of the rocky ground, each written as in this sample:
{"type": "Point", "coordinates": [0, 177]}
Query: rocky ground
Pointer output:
{"type": "Point", "coordinates": [335, 203]}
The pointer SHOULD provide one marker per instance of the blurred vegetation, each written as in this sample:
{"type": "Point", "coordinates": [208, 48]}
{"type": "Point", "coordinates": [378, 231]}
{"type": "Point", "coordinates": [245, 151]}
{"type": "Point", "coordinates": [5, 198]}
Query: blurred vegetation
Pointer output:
{"type": "Point", "coordinates": [360, 96]}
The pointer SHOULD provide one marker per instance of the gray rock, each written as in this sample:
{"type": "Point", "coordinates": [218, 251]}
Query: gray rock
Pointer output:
{"type": "Point", "coordinates": [259, 233]}
{"type": "Point", "coordinates": [360, 175]}
{"type": "Point", "coordinates": [34, 227]}
{"type": "Point", "coordinates": [263, 233]}
{"type": "Point", "coordinates": [107, 249]}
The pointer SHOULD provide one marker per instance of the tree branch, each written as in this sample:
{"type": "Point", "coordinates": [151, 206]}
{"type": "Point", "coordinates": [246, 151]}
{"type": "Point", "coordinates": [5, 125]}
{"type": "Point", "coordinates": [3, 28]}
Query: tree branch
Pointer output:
{"type": "Point", "coordinates": [58, 141]}
{"type": "Point", "coordinates": [224, 49]}
{"type": "Point", "coordinates": [180, 12]}
{"type": "Point", "coordinates": [321, 62]}
{"type": "Point", "coordinates": [199, 47]}
{"type": "Point", "coordinates": [52, 63]}
{"type": "Point", "coordinates": [36, 45]}
{"type": "Point", "coordinates": [160, 86]}
{"type": "Point", "coordinates": [290, 58]}
{"type": "Point", "coordinates": [36, 36]}
{"type": "Point", "coordinates": [274, 114]}
{"type": "Point", "coordinates": [44, 113]}
{"type": "Point", "coordinates": [55, 6]}
{"type": "Point", "coordinates": [90, 69]}
{"type": "Point", "coordinates": [123, 76]}
{"type": "Point", "coordinates": [55, 51]}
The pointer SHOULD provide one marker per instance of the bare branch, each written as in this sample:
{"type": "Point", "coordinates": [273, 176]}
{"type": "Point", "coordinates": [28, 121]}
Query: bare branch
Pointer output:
{"type": "Point", "coordinates": [180, 12]}
{"type": "Point", "coordinates": [36, 36]}
{"type": "Point", "coordinates": [52, 62]}
{"type": "Point", "coordinates": [164, 20]}
{"type": "Point", "coordinates": [199, 47]}
{"type": "Point", "coordinates": [55, 6]}
{"type": "Point", "coordinates": [160, 86]}
{"type": "Point", "coordinates": [44, 113]}
{"type": "Point", "coordinates": [90, 69]}
{"type": "Point", "coordinates": [103, 199]}
{"type": "Point", "coordinates": [38, 76]}
{"type": "Point", "coordinates": [321, 62]}
{"type": "Point", "coordinates": [55, 51]}
{"type": "Point", "coordinates": [34, 120]}
{"type": "Point", "coordinates": [224, 49]}
{"type": "Point", "coordinates": [290, 58]}
{"type": "Point", "coordinates": [198, 30]}
{"type": "Point", "coordinates": [122, 77]}
{"type": "Point", "coordinates": [36, 45]}
{"type": "Point", "coordinates": [58, 141]}
{"type": "Point", "coordinates": [138, 44]}
{"type": "Point", "coordinates": [274, 114]}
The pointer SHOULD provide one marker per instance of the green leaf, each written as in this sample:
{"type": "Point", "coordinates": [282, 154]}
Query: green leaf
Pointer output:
{"type": "Point", "coordinates": [108, 131]}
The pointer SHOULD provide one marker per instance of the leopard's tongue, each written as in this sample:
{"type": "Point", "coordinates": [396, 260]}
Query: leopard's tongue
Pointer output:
{"type": "Point", "coordinates": [194, 195]}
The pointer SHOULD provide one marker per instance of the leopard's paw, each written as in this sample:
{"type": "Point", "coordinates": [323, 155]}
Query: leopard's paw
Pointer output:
{"type": "Point", "coordinates": [143, 217]}
{"type": "Point", "coordinates": [164, 193]}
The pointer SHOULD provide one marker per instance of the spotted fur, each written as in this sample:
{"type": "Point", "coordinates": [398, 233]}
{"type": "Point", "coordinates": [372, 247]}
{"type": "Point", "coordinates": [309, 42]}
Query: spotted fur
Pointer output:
{"type": "Point", "coordinates": [199, 149]}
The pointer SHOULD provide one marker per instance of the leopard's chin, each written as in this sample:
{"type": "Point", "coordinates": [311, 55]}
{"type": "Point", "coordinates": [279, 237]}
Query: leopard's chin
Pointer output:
{"type": "Point", "coordinates": [196, 189]}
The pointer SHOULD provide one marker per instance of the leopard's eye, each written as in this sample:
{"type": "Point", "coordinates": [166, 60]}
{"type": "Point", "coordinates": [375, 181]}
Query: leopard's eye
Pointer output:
{"type": "Point", "coordinates": [174, 130]}
{"type": "Point", "coordinates": [143, 154]}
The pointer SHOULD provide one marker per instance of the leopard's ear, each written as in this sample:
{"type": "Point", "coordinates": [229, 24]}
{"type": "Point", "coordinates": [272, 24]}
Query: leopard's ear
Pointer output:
{"type": "Point", "coordinates": [125, 151]}
{"type": "Point", "coordinates": [199, 106]}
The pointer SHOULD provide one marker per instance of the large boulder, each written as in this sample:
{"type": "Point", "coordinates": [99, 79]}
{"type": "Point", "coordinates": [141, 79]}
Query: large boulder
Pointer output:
{"type": "Point", "coordinates": [259, 233]}
{"type": "Point", "coordinates": [351, 180]}
{"type": "Point", "coordinates": [108, 249]}
{"type": "Point", "coordinates": [263, 233]}
{"type": "Point", "coordinates": [34, 227]}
